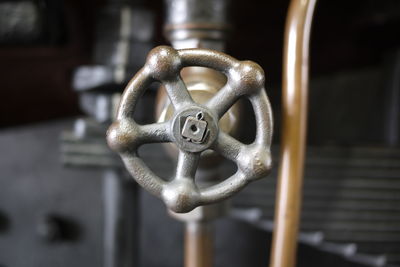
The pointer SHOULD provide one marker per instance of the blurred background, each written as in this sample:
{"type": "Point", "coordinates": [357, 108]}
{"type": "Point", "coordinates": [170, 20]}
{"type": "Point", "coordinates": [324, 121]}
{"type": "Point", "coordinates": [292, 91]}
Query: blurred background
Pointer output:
{"type": "Point", "coordinates": [66, 201]}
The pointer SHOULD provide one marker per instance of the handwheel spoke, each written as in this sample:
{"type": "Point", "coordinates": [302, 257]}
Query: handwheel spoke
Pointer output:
{"type": "Point", "coordinates": [187, 164]}
{"type": "Point", "coordinates": [155, 133]}
{"type": "Point", "coordinates": [177, 92]}
{"type": "Point", "coordinates": [228, 146]}
{"type": "Point", "coordinates": [222, 100]}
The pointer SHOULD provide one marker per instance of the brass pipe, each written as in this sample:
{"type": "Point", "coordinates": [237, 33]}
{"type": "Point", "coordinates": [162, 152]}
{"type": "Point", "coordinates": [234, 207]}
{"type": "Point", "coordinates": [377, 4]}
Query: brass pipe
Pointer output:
{"type": "Point", "coordinates": [294, 100]}
{"type": "Point", "coordinates": [199, 247]}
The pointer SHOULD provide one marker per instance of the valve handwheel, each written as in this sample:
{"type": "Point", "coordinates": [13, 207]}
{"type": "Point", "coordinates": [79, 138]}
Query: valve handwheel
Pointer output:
{"type": "Point", "coordinates": [194, 127]}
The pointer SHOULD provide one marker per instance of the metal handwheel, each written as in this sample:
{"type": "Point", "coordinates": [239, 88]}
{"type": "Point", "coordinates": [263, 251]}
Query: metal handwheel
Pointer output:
{"type": "Point", "coordinates": [194, 127]}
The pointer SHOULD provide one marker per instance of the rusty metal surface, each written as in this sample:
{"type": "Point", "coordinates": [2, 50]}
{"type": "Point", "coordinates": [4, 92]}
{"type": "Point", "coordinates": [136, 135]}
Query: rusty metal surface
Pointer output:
{"type": "Point", "coordinates": [294, 101]}
{"type": "Point", "coordinates": [181, 194]}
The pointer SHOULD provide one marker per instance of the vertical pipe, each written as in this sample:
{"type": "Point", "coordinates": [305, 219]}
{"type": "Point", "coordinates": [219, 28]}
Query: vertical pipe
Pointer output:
{"type": "Point", "coordinates": [294, 97]}
{"type": "Point", "coordinates": [199, 244]}
{"type": "Point", "coordinates": [120, 220]}
{"type": "Point", "coordinates": [112, 198]}
{"type": "Point", "coordinates": [198, 24]}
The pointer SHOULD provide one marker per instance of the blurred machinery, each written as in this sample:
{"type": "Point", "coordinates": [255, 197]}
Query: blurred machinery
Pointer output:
{"type": "Point", "coordinates": [125, 33]}
{"type": "Point", "coordinates": [31, 22]}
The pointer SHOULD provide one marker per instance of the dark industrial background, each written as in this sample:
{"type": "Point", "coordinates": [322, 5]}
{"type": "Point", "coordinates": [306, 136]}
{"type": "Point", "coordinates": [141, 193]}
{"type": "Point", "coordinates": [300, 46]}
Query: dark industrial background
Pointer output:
{"type": "Point", "coordinates": [354, 102]}
{"type": "Point", "coordinates": [36, 72]}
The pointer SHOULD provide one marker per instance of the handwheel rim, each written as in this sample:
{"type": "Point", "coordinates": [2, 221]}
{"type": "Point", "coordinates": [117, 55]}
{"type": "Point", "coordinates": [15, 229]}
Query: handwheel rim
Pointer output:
{"type": "Point", "coordinates": [181, 194]}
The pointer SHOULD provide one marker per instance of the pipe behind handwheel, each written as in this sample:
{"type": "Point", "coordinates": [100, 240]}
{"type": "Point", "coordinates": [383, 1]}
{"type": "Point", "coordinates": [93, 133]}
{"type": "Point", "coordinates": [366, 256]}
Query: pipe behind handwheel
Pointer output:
{"type": "Point", "coordinates": [294, 102]}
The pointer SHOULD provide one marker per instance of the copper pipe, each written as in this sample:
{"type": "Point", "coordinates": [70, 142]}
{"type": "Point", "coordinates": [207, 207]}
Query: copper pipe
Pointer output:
{"type": "Point", "coordinates": [199, 244]}
{"type": "Point", "coordinates": [294, 99]}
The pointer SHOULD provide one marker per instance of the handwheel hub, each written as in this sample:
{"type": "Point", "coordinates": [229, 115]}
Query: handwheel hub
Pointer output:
{"type": "Point", "coordinates": [195, 129]}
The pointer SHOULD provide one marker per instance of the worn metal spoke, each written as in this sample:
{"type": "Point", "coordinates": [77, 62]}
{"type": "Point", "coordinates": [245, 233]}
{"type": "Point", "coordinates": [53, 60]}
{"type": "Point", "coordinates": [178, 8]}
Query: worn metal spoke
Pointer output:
{"type": "Point", "coordinates": [177, 92]}
{"type": "Point", "coordinates": [155, 133]}
{"type": "Point", "coordinates": [223, 100]}
{"type": "Point", "coordinates": [187, 164]}
{"type": "Point", "coordinates": [228, 146]}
